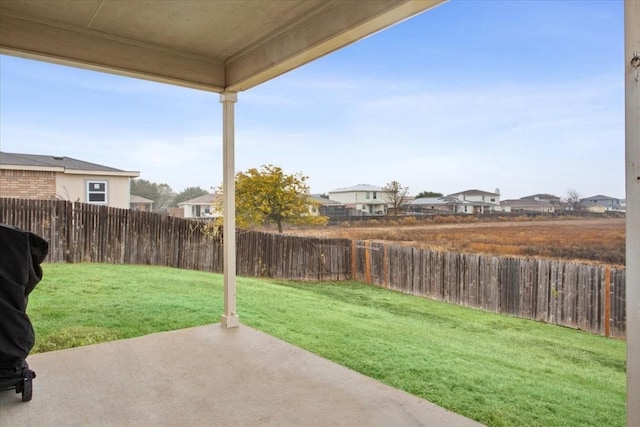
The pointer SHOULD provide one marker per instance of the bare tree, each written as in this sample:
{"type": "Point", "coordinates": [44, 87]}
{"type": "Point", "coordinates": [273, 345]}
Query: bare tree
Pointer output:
{"type": "Point", "coordinates": [572, 200]}
{"type": "Point", "coordinates": [396, 195]}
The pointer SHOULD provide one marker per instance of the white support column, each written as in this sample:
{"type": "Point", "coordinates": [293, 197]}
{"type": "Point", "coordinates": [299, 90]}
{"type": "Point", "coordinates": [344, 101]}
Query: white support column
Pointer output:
{"type": "Point", "coordinates": [632, 149]}
{"type": "Point", "coordinates": [230, 317]}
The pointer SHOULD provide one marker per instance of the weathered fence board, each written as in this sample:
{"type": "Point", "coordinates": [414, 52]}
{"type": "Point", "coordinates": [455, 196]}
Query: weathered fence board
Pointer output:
{"type": "Point", "coordinates": [79, 232]}
{"type": "Point", "coordinates": [563, 293]}
{"type": "Point", "coordinates": [576, 295]}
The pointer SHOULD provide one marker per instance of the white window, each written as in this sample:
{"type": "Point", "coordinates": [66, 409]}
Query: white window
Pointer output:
{"type": "Point", "coordinates": [97, 192]}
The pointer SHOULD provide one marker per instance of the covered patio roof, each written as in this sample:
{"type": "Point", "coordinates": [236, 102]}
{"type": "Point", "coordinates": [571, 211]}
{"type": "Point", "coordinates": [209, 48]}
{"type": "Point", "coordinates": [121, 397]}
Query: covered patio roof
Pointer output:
{"type": "Point", "coordinates": [211, 45]}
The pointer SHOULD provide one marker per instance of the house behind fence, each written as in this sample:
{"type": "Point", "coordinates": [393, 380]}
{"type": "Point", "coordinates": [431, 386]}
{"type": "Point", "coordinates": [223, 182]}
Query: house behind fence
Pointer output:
{"type": "Point", "coordinates": [570, 294]}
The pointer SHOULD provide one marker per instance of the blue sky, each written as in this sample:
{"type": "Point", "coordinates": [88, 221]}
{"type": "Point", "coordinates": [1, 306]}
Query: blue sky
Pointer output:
{"type": "Point", "coordinates": [524, 96]}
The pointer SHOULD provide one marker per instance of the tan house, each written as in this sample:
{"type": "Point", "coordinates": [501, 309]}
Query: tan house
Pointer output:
{"type": "Point", "coordinates": [33, 176]}
{"type": "Point", "coordinates": [139, 203]}
{"type": "Point", "coordinates": [207, 206]}
{"type": "Point", "coordinates": [478, 201]}
{"type": "Point", "coordinates": [595, 208]}
{"type": "Point", "coordinates": [609, 203]}
{"type": "Point", "coordinates": [436, 205]}
{"type": "Point", "coordinates": [527, 205]}
{"type": "Point", "coordinates": [364, 199]}
{"type": "Point", "coordinates": [319, 205]}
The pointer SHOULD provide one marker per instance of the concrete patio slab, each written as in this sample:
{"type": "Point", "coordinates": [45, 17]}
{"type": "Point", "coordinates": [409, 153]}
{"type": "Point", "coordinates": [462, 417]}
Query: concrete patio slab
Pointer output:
{"type": "Point", "coordinates": [209, 376]}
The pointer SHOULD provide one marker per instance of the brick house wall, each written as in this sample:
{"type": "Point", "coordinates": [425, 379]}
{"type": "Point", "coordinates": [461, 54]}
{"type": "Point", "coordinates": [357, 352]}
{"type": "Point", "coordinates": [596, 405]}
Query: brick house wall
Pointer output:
{"type": "Point", "coordinates": [26, 184]}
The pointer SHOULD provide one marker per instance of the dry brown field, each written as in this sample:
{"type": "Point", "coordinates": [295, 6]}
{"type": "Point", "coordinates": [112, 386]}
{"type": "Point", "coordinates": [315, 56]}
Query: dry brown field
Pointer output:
{"type": "Point", "coordinates": [593, 240]}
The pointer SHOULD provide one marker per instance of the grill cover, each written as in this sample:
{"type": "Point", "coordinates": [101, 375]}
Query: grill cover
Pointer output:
{"type": "Point", "coordinates": [21, 253]}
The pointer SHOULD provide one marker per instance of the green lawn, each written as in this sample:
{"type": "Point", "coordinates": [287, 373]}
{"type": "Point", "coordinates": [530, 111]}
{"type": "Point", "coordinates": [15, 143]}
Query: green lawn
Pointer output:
{"type": "Point", "coordinates": [495, 369]}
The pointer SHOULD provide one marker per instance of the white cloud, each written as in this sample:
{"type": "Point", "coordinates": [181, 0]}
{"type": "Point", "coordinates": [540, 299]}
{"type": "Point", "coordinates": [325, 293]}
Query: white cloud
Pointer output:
{"type": "Point", "coordinates": [182, 162]}
{"type": "Point", "coordinates": [525, 138]}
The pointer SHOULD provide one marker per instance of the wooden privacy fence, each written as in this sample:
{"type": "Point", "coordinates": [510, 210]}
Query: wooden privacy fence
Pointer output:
{"type": "Point", "coordinates": [79, 232]}
{"type": "Point", "coordinates": [576, 295]}
{"type": "Point", "coordinates": [570, 294]}
{"type": "Point", "coordinates": [50, 219]}
{"type": "Point", "coordinates": [291, 257]}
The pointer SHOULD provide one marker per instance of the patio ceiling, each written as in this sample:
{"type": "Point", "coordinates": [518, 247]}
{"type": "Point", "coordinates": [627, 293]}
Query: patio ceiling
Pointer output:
{"type": "Point", "coordinates": [213, 45]}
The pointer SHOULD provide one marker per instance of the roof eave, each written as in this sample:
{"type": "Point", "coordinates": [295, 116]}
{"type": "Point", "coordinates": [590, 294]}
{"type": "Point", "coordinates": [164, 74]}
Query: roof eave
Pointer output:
{"type": "Point", "coordinates": [331, 27]}
{"type": "Point", "coordinates": [129, 174]}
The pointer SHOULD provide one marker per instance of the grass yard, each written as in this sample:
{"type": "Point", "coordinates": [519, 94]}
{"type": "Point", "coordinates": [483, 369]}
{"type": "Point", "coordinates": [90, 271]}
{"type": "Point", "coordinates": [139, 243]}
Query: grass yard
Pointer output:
{"type": "Point", "coordinates": [498, 370]}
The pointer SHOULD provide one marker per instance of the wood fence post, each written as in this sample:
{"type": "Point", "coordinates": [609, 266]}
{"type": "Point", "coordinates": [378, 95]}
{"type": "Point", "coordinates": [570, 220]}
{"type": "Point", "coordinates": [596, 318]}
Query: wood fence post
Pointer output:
{"type": "Point", "coordinates": [607, 301]}
{"type": "Point", "coordinates": [367, 261]}
{"type": "Point", "coordinates": [385, 265]}
{"type": "Point", "coordinates": [354, 269]}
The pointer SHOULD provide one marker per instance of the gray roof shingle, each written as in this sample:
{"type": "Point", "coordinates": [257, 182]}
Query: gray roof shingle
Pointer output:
{"type": "Point", "coordinates": [474, 193]}
{"type": "Point", "coordinates": [205, 199]}
{"type": "Point", "coordinates": [359, 187]}
{"type": "Point", "coordinates": [37, 160]}
{"type": "Point", "coordinates": [139, 199]}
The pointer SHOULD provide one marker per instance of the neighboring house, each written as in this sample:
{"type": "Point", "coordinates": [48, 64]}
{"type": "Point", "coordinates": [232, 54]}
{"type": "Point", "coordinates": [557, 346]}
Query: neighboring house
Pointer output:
{"type": "Point", "coordinates": [466, 202]}
{"type": "Point", "coordinates": [481, 201]}
{"type": "Point", "coordinates": [555, 200]}
{"type": "Point", "coordinates": [326, 207]}
{"type": "Point", "coordinates": [139, 203]}
{"type": "Point", "coordinates": [207, 206]}
{"type": "Point", "coordinates": [528, 205]}
{"type": "Point", "coordinates": [362, 199]}
{"type": "Point", "coordinates": [594, 208]}
{"type": "Point", "coordinates": [33, 176]}
{"type": "Point", "coordinates": [609, 203]}
{"type": "Point", "coordinates": [433, 205]}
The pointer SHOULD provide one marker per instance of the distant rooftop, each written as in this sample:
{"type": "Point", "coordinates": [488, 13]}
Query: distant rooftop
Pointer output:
{"type": "Point", "coordinates": [61, 162]}
{"type": "Point", "coordinates": [139, 199]}
{"type": "Point", "coordinates": [541, 196]}
{"type": "Point", "coordinates": [430, 201]}
{"type": "Point", "coordinates": [359, 187]}
{"type": "Point", "coordinates": [599, 197]}
{"type": "Point", "coordinates": [205, 199]}
{"type": "Point", "coordinates": [440, 201]}
{"type": "Point", "coordinates": [522, 203]}
{"type": "Point", "coordinates": [323, 200]}
{"type": "Point", "coordinates": [474, 193]}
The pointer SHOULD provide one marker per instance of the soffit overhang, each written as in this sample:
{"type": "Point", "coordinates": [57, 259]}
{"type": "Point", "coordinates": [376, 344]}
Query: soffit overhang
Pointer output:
{"type": "Point", "coordinates": [213, 45]}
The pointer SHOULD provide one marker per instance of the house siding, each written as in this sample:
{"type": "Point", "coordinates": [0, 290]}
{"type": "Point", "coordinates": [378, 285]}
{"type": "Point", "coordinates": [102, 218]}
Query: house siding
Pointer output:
{"type": "Point", "coordinates": [26, 184]}
{"type": "Point", "coordinates": [348, 197]}
{"type": "Point", "coordinates": [74, 188]}
{"type": "Point", "coordinates": [610, 203]}
{"type": "Point", "coordinates": [360, 202]}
